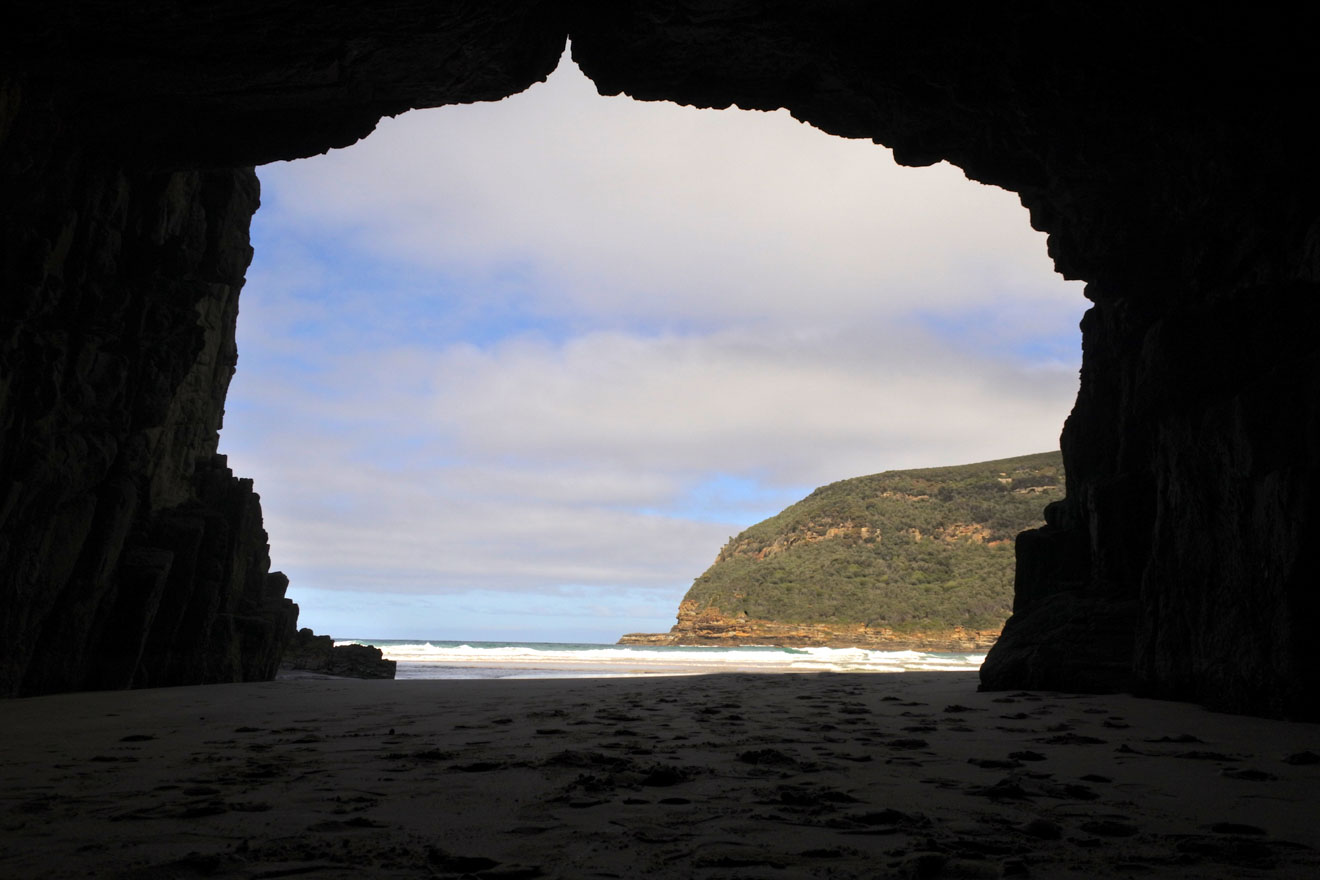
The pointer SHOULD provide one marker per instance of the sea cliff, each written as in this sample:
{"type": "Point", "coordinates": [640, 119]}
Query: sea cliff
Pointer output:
{"type": "Point", "coordinates": [709, 626]}
{"type": "Point", "coordinates": [903, 560]}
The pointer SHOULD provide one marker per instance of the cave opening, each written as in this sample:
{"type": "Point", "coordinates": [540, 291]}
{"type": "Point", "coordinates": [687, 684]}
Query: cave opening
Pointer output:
{"type": "Point", "coordinates": [516, 370]}
{"type": "Point", "coordinates": [1177, 182]}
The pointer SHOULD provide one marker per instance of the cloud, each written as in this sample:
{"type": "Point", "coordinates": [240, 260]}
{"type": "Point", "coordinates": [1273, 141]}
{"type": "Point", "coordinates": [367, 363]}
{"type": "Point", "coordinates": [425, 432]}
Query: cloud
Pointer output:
{"type": "Point", "coordinates": [665, 212]}
{"type": "Point", "coordinates": [561, 347]}
{"type": "Point", "coordinates": [794, 410]}
{"type": "Point", "coordinates": [535, 464]}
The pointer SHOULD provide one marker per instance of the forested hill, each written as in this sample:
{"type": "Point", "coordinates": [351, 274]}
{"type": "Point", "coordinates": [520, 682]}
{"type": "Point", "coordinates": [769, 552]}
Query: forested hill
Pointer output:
{"type": "Point", "coordinates": [919, 556]}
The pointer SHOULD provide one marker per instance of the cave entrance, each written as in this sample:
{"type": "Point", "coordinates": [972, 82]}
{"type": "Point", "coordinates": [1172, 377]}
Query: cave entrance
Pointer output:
{"type": "Point", "coordinates": [517, 370]}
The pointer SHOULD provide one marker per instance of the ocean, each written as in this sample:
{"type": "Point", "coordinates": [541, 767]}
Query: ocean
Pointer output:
{"type": "Point", "coordinates": [438, 658]}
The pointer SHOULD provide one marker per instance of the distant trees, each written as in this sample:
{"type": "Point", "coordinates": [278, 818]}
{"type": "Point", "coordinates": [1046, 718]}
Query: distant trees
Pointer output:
{"type": "Point", "coordinates": [909, 550]}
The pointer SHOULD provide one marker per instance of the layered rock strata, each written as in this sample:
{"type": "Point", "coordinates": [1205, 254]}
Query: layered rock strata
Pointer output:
{"type": "Point", "coordinates": [901, 560]}
{"type": "Point", "coordinates": [1164, 150]}
{"type": "Point", "coordinates": [129, 553]}
{"type": "Point", "coordinates": [709, 626]}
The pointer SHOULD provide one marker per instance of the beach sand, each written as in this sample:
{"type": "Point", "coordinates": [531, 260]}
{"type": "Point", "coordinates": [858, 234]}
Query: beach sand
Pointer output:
{"type": "Point", "coordinates": [715, 776]}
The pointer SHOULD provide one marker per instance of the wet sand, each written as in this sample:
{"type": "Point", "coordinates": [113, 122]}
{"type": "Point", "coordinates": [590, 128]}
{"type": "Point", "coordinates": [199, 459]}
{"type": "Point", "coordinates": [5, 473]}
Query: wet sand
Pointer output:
{"type": "Point", "coordinates": [719, 776]}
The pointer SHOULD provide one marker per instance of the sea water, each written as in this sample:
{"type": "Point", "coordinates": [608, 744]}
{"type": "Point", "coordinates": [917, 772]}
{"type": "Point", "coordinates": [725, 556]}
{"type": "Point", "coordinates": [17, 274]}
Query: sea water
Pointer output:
{"type": "Point", "coordinates": [434, 658]}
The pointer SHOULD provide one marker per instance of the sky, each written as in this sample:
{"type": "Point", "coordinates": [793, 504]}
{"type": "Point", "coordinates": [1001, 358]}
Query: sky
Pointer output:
{"type": "Point", "coordinates": [517, 370]}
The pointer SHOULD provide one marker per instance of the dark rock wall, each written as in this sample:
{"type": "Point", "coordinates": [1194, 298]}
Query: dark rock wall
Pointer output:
{"type": "Point", "coordinates": [250, 81]}
{"type": "Point", "coordinates": [1165, 157]}
{"type": "Point", "coordinates": [128, 552]}
{"type": "Point", "coordinates": [1166, 153]}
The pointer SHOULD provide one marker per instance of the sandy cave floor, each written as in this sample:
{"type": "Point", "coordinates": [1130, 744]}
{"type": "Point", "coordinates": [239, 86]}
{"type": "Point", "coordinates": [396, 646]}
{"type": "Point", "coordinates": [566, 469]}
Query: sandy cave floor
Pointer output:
{"type": "Point", "coordinates": [717, 776]}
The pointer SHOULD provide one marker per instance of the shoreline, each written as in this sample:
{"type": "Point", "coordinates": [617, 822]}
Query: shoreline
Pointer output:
{"type": "Point", "coordinates": [728, 775]}
{"type": "Point", "coordinates": [709, 628]}
{"type": "Point", "coordinates": [880, 643]}
{"type": "Point", "coordinates": [441, 659]}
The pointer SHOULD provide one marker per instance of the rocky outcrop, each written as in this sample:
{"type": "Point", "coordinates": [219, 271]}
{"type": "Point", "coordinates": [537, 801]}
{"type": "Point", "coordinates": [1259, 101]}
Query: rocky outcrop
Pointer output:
{"type": "Point", "coordinates": [1163, 154]}
{"type": "Point", "coordinates": [319, 655]}
{"type": "Point", "coordinates": [902, 560]}
{"type": "Point", "coordinates": [129, 553]}
{"type": "Point", "coordinates": [1162, 148]}
{"type": "Point", "coordinates": [709, 626]}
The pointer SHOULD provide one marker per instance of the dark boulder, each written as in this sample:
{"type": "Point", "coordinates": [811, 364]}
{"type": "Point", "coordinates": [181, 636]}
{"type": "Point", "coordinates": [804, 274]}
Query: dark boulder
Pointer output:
{"type": "Point", "coordinates": [308, 652]}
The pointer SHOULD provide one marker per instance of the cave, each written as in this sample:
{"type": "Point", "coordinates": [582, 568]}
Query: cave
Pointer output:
{"type": "Point", "coordinates": [1162, 151]}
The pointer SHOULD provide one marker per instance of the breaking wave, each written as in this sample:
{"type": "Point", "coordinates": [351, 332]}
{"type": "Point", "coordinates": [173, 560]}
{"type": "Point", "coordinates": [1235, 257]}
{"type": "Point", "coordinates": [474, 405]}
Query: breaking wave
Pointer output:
{"type": "Point", "coordinates": [453, 659]}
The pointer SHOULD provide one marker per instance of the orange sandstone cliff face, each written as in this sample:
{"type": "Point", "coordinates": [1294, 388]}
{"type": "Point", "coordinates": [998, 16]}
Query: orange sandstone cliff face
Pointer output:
{"type": "Point", "coordinates": [710, 626]}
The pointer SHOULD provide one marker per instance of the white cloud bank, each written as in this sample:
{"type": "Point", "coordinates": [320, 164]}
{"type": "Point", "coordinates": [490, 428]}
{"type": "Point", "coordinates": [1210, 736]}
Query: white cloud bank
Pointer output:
{"type": "Point", "coordinates": [566, 345]}
{"type": "Point", "coordinates": [656, 210]}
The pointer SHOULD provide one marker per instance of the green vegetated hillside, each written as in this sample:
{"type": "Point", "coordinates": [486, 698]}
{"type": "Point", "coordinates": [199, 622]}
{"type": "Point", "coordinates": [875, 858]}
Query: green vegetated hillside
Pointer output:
{"type": "Point", "coordinates": [907, 550]}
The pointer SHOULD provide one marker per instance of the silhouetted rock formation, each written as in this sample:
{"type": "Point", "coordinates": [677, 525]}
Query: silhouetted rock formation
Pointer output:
{"type": "Point", "coordinates": [308, 652]}
{"type": "Point", "coordinates": [129, 554]}
{"type": "Point", "coordinates": [1163, 150]}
